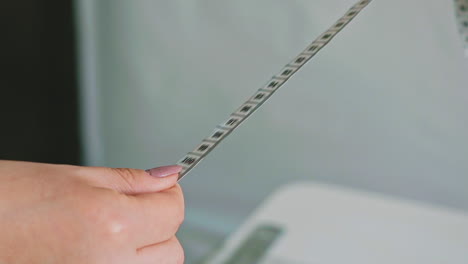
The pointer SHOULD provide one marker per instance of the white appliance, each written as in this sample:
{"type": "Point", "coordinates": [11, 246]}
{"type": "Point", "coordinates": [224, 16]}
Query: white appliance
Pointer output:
{"type": "Point", "coordinates": [322, 224]}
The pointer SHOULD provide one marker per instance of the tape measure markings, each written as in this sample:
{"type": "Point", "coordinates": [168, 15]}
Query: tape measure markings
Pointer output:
{"type": "Point", "coordinates": [264, 93]}
{"type": "Point", "coordinates": [461, 10]}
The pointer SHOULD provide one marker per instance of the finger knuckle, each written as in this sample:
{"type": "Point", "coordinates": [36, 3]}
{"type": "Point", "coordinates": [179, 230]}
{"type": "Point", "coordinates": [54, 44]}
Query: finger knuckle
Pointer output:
{"type": "Point", "coordinates": [129, 177]}
{"type": "Point", "coordinates": [180, 215]}
{"type": "Point", "coordinates": [179, 191]}
{"type": "Point", "coordinates": [179, 207]}
{"type": "Point", "coordinates": [106, 220]}
{"type": "Point", "coordinates": [174, 222]}
{"type": "Point", "coordinates": [179, 253]}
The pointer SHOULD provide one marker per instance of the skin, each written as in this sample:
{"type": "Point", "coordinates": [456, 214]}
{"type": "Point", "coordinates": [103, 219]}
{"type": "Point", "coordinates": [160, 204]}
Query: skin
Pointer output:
{"type": "Point", "coordinates": [70, 214]}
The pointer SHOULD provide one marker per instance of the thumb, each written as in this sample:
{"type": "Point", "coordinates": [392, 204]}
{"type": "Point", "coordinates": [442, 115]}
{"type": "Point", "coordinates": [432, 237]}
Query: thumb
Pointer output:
{"type": "Point", "coordinates": [134, 181]}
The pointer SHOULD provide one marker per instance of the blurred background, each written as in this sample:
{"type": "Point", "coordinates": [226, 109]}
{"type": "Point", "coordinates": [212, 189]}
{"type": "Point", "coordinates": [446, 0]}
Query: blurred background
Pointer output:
{"type": "Point", "coordinates": [38, 84]}
{"type": "Point", "coordinates": [139, 83]}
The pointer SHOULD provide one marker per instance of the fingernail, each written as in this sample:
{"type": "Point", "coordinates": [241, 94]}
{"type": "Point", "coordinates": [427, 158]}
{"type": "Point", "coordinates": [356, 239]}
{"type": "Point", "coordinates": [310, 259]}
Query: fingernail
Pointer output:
{"type": "Point", "coordinates": [164, 171]}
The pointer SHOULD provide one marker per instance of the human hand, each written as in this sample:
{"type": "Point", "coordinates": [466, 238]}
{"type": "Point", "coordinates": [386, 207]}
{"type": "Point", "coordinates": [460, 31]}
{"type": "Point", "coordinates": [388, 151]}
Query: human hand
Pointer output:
{"type": "Point", "coordinates": [70, 214]}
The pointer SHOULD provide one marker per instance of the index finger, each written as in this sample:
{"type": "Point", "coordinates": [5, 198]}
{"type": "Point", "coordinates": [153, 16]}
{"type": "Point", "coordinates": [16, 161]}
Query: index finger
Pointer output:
{"type": "Point", "coordinates": [156, 217]}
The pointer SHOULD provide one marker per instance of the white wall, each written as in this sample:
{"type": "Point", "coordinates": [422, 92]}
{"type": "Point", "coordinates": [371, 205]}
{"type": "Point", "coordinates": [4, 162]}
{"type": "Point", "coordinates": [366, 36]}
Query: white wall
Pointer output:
{"type": "Point", "coordinates": [383, 107]}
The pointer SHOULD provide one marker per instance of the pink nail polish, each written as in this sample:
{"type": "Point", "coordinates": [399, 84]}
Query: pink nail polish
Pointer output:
{"type": "Point", "coordinates": [164, 171]}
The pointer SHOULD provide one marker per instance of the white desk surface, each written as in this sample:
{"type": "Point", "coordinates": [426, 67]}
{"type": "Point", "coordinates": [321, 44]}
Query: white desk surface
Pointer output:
{"type": "Point", "coordinates": [328, 224]}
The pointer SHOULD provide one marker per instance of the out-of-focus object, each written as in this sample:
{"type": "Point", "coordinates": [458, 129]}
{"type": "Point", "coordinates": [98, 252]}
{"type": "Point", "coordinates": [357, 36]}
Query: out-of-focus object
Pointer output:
{"type": "Point", "coordinates": [315, 223]}
{"type": "Point", "coordinates": [461, 7]}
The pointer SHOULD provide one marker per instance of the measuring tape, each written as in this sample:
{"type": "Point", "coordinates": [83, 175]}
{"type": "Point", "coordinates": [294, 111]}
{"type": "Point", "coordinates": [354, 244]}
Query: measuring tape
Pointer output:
{"type": "Point", "coordinates": [461, 7]}
{"type": "Point", "coordinates": [263, 94]}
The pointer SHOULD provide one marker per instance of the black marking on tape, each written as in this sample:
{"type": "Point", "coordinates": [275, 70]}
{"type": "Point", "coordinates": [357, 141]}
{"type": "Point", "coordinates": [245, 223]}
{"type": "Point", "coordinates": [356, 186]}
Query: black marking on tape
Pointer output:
{"type": "Point", "coordinates": [315, 47]}
{"type": "Point", "coordinates": [246, 109]}
{"type": "Point", "coordinates": [287, 72]}
{"type": "Point", "coordinates": [232, 122]}
{"type": "Point", "coordinates": [203, 147]}
{"type": "Point", "coordinates": [259, 97]}
{"type": "Point", "coordinates": [327, 36]}
{"type": "Point", "coordinates": [340, 24]}
{"type": "Point", "coordinates": [218, 134]}
{"type": "Point", "coordinates": [189, 160]}
{"type": "Point", "coordinates": [300, 59]}
{"type": "Point", "coordinates": [273, 84]}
